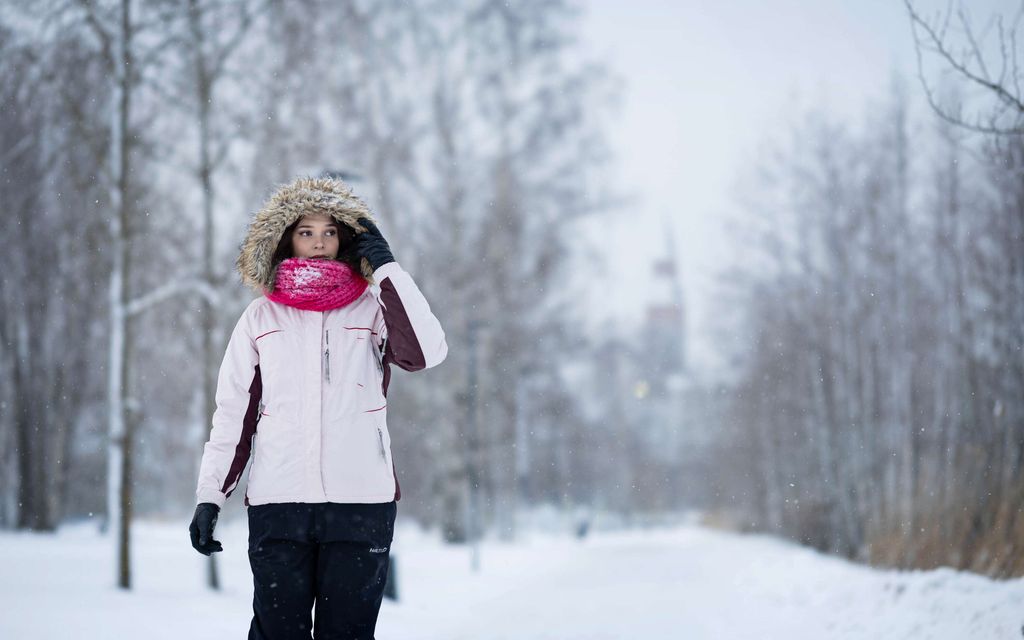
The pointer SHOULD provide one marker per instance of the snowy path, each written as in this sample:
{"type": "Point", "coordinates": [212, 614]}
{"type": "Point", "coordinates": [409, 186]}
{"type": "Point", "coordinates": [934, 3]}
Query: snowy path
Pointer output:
{"type": "Point", "coordinates": [689, 582]}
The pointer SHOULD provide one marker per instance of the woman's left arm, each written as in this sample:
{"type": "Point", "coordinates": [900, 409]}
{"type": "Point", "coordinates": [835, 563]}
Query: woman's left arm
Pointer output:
{"type": "Point", "coordinates": [415, 339]}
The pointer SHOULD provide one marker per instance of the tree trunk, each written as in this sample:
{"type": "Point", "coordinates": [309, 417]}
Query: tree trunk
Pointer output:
{"type": "Point", "coordinates": [118, 470]}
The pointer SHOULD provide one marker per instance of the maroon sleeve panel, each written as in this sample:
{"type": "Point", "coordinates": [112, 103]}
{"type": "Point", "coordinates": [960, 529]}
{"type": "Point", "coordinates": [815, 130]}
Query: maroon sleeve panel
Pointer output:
{"type": "Point", "coordinates": [244, 446]}
{"type": "Point", "coordinates": [403, 347]}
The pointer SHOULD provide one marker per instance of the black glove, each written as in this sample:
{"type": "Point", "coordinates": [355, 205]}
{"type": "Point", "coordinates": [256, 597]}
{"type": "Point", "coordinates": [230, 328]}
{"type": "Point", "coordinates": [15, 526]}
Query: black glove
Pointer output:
{"type": "Point", "coordinates": [202, 526]}
{"type": "Point", "coordinates": [371, 245]}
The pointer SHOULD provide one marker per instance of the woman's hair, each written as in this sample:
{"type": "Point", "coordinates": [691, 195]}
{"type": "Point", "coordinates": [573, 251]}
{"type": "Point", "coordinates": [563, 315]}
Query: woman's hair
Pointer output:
{"type": "Point", "coordinates": [346, 246]}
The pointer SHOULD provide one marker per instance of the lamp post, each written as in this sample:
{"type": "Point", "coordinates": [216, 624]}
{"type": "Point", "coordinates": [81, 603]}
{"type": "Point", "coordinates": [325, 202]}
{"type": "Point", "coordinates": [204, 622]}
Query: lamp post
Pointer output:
{"type": "Point", "coordinates": [472, 446]}
{"type": "Point", "coordinates": [521, 465]}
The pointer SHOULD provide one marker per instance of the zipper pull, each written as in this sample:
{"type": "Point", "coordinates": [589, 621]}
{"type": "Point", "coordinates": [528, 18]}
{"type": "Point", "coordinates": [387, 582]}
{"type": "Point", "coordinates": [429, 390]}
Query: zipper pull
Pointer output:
{"type": "Point", "coordinates": [380, 439]}
{"type": "Point", "coordinates": [327, 357]}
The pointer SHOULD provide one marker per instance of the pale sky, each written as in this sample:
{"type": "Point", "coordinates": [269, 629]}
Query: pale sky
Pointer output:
{"type": "Point", "coordinates": [704, 82]}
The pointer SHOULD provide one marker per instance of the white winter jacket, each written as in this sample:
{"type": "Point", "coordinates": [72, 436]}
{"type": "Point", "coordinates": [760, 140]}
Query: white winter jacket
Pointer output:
{"type": "Point", "coordinates": [304, 392]}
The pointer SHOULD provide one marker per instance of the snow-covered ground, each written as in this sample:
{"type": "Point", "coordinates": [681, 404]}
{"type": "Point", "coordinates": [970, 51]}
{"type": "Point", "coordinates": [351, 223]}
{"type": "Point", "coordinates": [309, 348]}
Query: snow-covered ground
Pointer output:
{"type": "Point", "coordinates": [686, 582]}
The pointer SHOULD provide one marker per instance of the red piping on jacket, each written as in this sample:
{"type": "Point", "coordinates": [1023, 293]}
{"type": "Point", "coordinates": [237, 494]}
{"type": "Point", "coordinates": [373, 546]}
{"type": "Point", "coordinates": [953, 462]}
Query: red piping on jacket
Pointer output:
{"type": "Point", "coordinates": [361, 329]}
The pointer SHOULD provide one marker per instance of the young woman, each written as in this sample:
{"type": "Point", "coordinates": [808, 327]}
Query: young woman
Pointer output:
{"type": "Point", "coordinates": [302, 389]}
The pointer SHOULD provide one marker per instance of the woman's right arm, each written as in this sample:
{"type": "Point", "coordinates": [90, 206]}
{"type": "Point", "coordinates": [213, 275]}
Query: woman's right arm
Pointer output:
{"type": "Point", "coordinates": [239, 389]}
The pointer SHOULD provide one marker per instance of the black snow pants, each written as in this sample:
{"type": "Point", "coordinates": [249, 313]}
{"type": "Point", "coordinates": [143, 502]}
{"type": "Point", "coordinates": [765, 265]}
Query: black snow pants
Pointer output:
{"type": "Point", "coordinates": [333, 555]}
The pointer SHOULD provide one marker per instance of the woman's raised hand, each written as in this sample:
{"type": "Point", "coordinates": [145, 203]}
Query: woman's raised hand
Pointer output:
{"type": "Point", "coordinates": [371, 245]}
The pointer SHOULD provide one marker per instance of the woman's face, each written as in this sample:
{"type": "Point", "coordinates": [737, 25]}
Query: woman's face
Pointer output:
{"type": "Point", "coordinates": [316, 236]}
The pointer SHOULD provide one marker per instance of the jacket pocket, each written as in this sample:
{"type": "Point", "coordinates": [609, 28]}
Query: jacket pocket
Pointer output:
{"type": "Point", "coordinates": [278, 464]}
{"type": "Point", "coordinates": [356, 457]}
{"type": "Point", "coordinates": [254, 473]}
{"type": "Point", "coordinates": [380, 441]}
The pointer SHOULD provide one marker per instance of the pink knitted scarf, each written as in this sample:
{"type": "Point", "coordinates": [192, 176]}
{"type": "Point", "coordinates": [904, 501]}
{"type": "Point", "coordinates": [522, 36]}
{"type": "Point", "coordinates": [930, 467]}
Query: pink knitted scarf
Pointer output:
{"type": "Point", "coordinates": [316, 284]}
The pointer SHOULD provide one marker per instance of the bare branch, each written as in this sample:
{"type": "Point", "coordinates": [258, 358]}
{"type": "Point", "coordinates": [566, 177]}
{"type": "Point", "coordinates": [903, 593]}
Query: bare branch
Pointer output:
{"type": "Point", "coordinates": [935, 41]}
{"type": "Point", "coordinates": [248, 17]}
{"type": "Point", "coordinates": [969, 34]}
{"type": "Point", "coordinates": [191, 284]}
{"type": "Point", "coordinates": [105, 38]}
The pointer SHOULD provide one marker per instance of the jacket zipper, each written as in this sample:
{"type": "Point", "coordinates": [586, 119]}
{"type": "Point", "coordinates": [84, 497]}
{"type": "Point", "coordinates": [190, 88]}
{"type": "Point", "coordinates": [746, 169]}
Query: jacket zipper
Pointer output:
{"type": "Point", "coordinates": [380, 439]}
{"type": "Point", "coordinates": [327, 357]}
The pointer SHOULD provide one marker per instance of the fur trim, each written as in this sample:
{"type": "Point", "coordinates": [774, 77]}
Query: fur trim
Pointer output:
{"type": "Point", "coordinates": [289, 203]}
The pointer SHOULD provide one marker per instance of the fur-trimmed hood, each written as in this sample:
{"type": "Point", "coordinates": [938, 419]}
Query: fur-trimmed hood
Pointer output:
{"type": "Point", "coordinates": [289, 203]}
